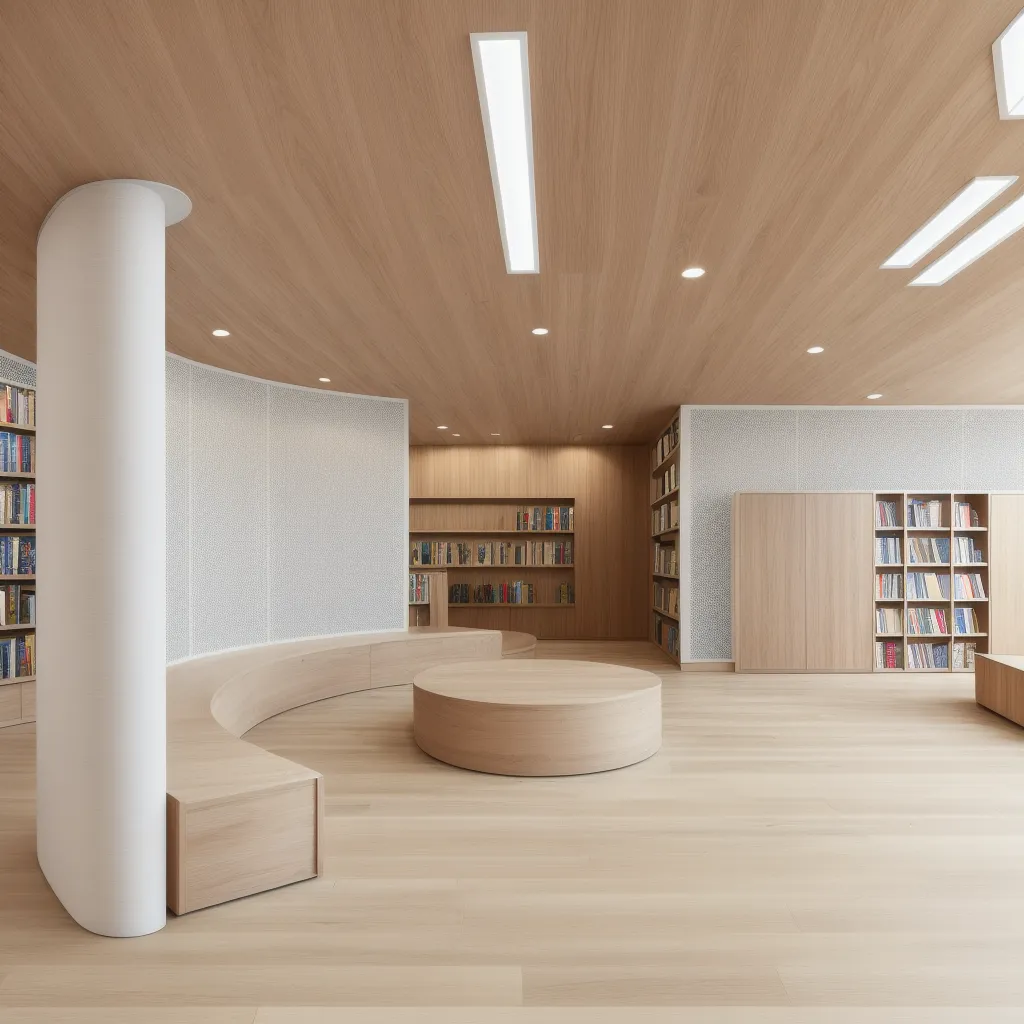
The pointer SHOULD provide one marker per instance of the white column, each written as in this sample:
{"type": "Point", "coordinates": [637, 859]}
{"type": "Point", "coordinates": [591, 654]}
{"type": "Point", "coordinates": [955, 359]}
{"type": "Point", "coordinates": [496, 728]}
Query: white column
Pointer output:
{"type": "Point", "coordinates": [101, 721]}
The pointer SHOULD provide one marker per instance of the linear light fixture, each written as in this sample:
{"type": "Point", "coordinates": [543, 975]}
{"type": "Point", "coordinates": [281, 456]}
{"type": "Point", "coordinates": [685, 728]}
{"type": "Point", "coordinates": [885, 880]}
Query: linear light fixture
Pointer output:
{"type": "Point", "coordinates": [973, 197]}
{"type": "Point", "coordinates": [503, 81]}
{"type": "Point", "coordinates": [1006, 222]}
{"type": "Point", "coordinates": [1008, 59]}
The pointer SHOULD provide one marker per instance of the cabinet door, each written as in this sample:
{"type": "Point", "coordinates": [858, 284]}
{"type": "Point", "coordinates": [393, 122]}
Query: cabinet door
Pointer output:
{"type": "Point", "coordinates": [1006, 573]}
{"type": "Point", "coordinates": [768, 568]}
{"type": "Point", "coordinates": [839, 596]}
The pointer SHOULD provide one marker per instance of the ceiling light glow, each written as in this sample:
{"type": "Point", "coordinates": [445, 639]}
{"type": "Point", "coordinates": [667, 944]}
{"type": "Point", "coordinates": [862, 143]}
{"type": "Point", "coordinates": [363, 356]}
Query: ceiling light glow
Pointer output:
{"type": "Point", "coordinates": [1008, 61]}
{"type": "Point", "coordinates": [815, 350]}
{"type": "Point", "coordinates": [442, 428]}
{"type": "Point", "coordinates": [874, 395]}
{"type": "Point", "coordinates": [221, 333]}
{"type": "Point", "coordinates": [456, 435]}
{"type": "Point", "coordinates": [692, 272]}
{"type": "Point", "coordinates": [503, 82]}
{"type": "Point", "coordinates": [608, 426]}
{"type": "Point", "coordinates": [325, 380]}
{"type": "Point", "coordinates": [495, 435]}
{"type": "Point", "coordinates": [974, 196]}
{"type": "Point", "coordinates": [1008, 221]}
{"type": "Point", "coordinates": [539, 330]}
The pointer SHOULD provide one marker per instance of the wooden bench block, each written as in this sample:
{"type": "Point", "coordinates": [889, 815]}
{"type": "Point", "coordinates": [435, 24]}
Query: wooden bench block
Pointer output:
{"type": "Point", "coordinates": [999, 685]}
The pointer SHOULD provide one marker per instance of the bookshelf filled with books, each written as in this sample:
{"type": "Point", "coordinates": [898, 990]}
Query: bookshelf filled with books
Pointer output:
{"type": "Point", "coordinates": [428, 598]}
{"type": "Point", "coordinates": [516, 553]}
{"type": "Point", "coordinates": [931, 581]}
{"type": "Point", "coordinates": [17, 553]}
{"type": "Point", "coordinates": [665, 540]}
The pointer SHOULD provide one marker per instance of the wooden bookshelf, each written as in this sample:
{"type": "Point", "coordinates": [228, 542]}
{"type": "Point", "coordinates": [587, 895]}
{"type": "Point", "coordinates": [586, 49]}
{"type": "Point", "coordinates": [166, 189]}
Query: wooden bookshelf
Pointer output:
{"type": "Point", "coordinates": [484, 538]}
{"type": "Point", "coordinates": [665, 541]}
{"type": "Point", "coordinates": [431, 609]}
{"type": "Point", "coordinates": [17, 694]}
{"type": "Point", "coordinates": [941, 548]}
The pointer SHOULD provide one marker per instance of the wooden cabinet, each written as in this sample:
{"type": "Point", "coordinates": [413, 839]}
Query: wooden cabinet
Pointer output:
{"type": "Point", "coordinates": [838, 555]}
{"type": "Point", "coordinates": [1006, 571]}
{"type": "Point", "coordinates": [802, 577]}
{"type": "Point", "coordinates": [768, 582]}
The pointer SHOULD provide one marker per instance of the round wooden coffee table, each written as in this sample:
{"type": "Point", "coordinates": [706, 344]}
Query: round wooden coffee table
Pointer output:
{"type": "Point", "coordinates": [537, 717]}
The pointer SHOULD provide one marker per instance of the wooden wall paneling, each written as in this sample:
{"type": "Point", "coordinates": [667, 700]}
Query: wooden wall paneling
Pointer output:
{"type": "Point", "coordinates": [769, 580]}
{"type": "Point", "coordinates": [28, 701]}
{"type": "Point", "coordinates": [839, 538]}
{"type": "Point", "coordinates": [479, 618]}
{"type": "Point", "coordinates": [1006, 573]}
{"type": "Point", "coordinates": [609, 486]}
{"type": "Point", "coordinates": [10, 703]}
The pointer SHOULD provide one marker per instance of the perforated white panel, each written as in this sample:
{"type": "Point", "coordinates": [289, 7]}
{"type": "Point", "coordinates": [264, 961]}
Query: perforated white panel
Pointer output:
{"type": "Point", "coordinates": [807, 449]}
{"type": "Point", "coordinates": [178, 494]}
{"type": "Point", "coordinates": [339, 478]}
{"type": "Point", "coordinates": [16, 370]}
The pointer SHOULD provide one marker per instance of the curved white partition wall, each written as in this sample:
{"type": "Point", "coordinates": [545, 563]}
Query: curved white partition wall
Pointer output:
{"type": "Point", "coordinates": [101, 728]}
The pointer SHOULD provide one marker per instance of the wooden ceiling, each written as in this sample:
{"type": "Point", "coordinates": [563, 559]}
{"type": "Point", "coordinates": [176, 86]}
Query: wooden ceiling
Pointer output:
{"type": "Point", "coordinates": [344, 222]}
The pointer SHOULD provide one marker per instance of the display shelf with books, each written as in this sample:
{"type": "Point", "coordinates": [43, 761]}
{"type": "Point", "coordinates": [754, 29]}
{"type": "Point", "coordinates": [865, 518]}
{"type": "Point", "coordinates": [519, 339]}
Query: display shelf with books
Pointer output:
{"type": "Point", "coordinates": [18, 549]}
{"type": "Point", "coordinates": [931, 581]}
{"type": "Point", "coordinates": [428, 598]}
{"type": "Point", "coordinates": [512, 553]}
{"type": "Point", "coordinates": [665, 539]}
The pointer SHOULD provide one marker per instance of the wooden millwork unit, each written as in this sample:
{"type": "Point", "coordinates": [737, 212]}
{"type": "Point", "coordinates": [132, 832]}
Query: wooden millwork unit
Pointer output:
{"type": "Point", "coordinates": [17, 691]}
{"type": "Point", "coordinates": [470, 494]}
{"type": "Point", "coordinates": [665, 556]}
{"type": "Point", "coordinates": [431, 610]}
{"type": "Point", "coordinates": [1006, 561]}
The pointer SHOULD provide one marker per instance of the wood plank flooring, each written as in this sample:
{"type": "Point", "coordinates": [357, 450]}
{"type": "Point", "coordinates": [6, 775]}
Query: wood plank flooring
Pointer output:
{"type": "Point", "coordinates": [803, 850]}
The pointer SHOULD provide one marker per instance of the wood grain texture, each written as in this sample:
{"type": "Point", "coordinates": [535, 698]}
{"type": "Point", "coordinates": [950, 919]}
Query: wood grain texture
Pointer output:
{"type": "Point", "coordinates": [518, 645]}
{"type": "Point", "coordinates": [839, 602]}
{"type": "Point", "coordinates": [609, 488]}
{"type": "Point", "coordinates": [10, 704]}
{"type": "Point", "coordinates": [855, 836]}
{"type": "Point", "coordinates": [538, 717]}
{"type": "Point", "coordinates": [28, 701]}
{"type": "Point", "coordinates": [344, 221]}
{"type": "Point", "coordinates": [1006, 573]}
{"type": "Point", "coordinates": [769, 582]}
{"type": "Point", "coordinates": [999, 685]}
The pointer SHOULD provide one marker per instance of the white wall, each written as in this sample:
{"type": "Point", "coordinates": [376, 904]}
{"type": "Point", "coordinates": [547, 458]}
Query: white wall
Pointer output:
{"type": "Point", "coordinates": [287, 511]}
{"type": "Point", "coordinates": [773, 448]}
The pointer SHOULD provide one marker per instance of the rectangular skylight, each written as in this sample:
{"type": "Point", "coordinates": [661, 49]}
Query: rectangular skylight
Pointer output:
{"type": "Point", "coordinates": [960, 209]}
{"type": "Point", "coordinates": [1008, 58]}
{"type": "Point", "coordinates": [995, 230]}
{"type": "Point", "coordinates": [503, 81]}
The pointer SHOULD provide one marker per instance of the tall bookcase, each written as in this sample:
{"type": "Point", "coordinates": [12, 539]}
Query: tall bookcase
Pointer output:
{"type": "Point", "coordinates": [665, 541]}
{"type": "Point", "coordinates": [17, 536]}
{"type": "Point", "coordinates": [931, 581]}
{"type": "Point", "coordinates": [510, 560]}
{"type": "Point", "coordinates": [428, 598]}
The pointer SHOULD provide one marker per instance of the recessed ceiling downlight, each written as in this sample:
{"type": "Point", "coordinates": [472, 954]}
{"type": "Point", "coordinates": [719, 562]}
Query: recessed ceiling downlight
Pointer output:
{"type": "Point", "coordinates": [495, 435]}
{"type": "Point", "coordinates": [442, 428]}
{"type": "Point", "coordinates": [874, 395]}
{"type": "Point", "coordinates": [221, 333]}
{"type": "Point", "coordinates": [815, 350]}
{"type": "Point", "coordinates": [607, 426]}
{"type": "Point", "coordinates": [539, 330]}
{"type": "Point", "coordinates": [325, 380]}
{"type": "Point", "coordinates": [692, 272]}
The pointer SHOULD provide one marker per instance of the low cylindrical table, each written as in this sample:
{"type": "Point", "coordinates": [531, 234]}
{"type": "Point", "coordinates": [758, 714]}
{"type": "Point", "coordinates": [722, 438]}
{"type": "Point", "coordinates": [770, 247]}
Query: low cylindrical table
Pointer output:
{"type": "Point", "coordinates": [537, 717]}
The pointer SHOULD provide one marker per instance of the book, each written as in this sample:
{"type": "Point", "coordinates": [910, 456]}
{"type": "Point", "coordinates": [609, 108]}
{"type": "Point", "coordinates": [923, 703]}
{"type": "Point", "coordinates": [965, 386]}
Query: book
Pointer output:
{"type": "Point", "coordinates": [928, 549]}
{"type": "Point", "coordinates": [18, 656]}
{"type": "Point", "coordinates": [666, 635]}
{"type": "Point", "coordinates": [920, 655]}
{"type": "Point", "coordinates": [963, 655]}
{"type": "Point", "coordinates": [666, 598]}
{"type": "Point", "coordinates": [886, 514]}
{"type": "Point", "coordinates": [419, 588]}
{"type": "Point", "coordinates": [965, 551]}
{"type": "Point", "coordinates": [921, 621]}
{"type": "Point", "coordinates": [17, 556]}
{"type": "Point", "coordinates": [888, 654]}
{"type": "Point", "coordinates": [968, 585]}
{"type": "Point", "coordinates": [887, 551]}
{"type": "Point", "coordinates": [17, 452]}
{"type": "Point", "coordinates": [17, 405]}
{"type": "Point", "coordinates": [889, 586]}
{"type": "Point", "coordinates": [924, 513]}
{"type": "Point", "coordinates": [17, 605]}
{"type": "Point", "coordinates": [927, 586]}
{"type": "Point", "coordinates": [505, 592]}
{"type": "Point", "coordinates": [666, 559]}
{"type": "Point", "coordinates": [17, 504]}
{"type": "Point", "coordinates": [965, 620]}
{"type": "Point", "coordinates": [964, 516]}
{"type": "Point", "coordinates": [666, 444]}
{"type": "Point", "coordinates": [889, 620]}
{"type": "Point", "coordinates": [665, 517]}
{"type": "Point", "coordinates": [541, 518]}
{"type": "Point", "coordinates": [524, 553]}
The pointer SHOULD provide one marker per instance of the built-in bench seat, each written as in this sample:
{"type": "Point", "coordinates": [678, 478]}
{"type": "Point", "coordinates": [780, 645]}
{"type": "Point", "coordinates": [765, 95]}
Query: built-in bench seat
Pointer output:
{"type": "Point", "coordinates": [240, 819]}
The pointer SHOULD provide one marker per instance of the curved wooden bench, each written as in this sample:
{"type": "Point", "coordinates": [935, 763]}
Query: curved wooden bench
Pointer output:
{"type": "Point", "coordinates": [517, 645]}
{"type": "Point", "coordinates": [239, 818]}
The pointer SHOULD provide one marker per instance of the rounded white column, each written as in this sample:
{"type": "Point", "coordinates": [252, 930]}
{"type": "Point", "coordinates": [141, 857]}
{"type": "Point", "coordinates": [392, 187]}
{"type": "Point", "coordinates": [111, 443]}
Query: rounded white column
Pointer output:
{"type": "Point", "coordinates": [101, 720]}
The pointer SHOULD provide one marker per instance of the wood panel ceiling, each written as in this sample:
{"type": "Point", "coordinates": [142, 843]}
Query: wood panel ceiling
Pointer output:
{"type": "Point", "coordinates": [344, 222]}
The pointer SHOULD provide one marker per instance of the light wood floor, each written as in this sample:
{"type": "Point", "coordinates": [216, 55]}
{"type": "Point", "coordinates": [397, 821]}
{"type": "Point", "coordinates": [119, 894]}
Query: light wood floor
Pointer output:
{"type": "Point", "coordinates": [803, 850]}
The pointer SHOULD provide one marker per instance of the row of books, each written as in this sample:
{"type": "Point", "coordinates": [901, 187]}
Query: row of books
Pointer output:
{"type": "Point", "coordinates": [887, 551]}
{"type": "Point", "coordinates": [666, 635]}
{"type": "Point", "coordinates": [968, 585]}
{"type": "Point", "coordinates": [927, 620]}
{"type": "Point", "coordinates": [886, 514]}
{"type": "Point", "coordinates": [928, 549]}
{"type": "Point", "coordinates": [888, 620]}
{"type": "Point", "coordinates": [665, 517]}
{"type": "Point", "coordinates": [666, 559]}
{"type": "Point", "coordinates": [965, 620]}
{"type": "Point", "coordinates": [506, 592]}
{"type": "Point", "coordinates": [927, 656]}
{"type": "Point", "coordinates": [665, 482]}
{"type": "Point", "coordinates": [889, 586]}
{"type": "Point", "coordinates": [963, 654]}
{"type": "Point", "coordinates": [964, 515]}
{"type": "Point", "coordinates": [667, 443]}
{"type": "Point", "coordinates": [18, 656]}
{"type": "Point", "coordinates": [545, 517]}
{"type": "Point", "coordinates": [17, 605]}
{"type": "Point", "coordinates": [666, 598]}
{"type": "Point", "coordinates": [928, 585]}
{"type": "Point", "coordinates": [17, 504]}
{"type": "Point", "coordinates": [17, 405]}
{"type": "Point", "coordinates": [534, 552]}
{"type": "Point", "coordinates": [419, 588]}
{"type": "Point", "coordinates": [966, 551]}
{"type": "Point", "coordinates": [17, 556]}
{"type": "Point", "coordinates": [888, 654]}
{"type": "Point", "coordinates": [924, 513]}
{"type": "Point", "coordinates": [17, 452]}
